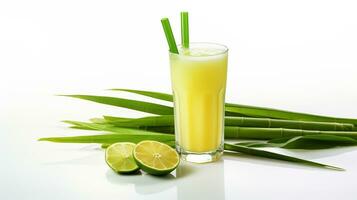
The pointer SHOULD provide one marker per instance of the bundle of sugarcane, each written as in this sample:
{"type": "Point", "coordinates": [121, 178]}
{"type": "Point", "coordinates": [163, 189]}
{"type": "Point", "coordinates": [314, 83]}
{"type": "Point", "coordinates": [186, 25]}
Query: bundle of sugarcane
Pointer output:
{"type": "Point", "coordinates": [284, 129]}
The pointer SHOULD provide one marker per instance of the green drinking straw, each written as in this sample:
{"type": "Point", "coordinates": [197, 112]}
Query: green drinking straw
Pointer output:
{"type": "Point", "coordinates": [185, 39]}
{"type": "Point", "coordinates": [169, 35]}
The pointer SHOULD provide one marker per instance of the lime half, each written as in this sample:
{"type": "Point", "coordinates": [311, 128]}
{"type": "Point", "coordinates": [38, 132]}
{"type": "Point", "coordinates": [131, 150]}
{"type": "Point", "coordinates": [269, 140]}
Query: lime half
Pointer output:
{"type": "Point", "coordinates": [119, 157]}
{"type": "Point", "coordinates": [156, 158]}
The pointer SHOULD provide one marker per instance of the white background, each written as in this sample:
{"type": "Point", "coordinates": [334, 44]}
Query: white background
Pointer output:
{"type": "Point", "coordinates": [295, 55]}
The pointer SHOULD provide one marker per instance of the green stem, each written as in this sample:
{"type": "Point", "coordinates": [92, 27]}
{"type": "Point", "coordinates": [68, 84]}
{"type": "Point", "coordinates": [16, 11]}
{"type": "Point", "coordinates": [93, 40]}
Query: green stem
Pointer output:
{"type": "Point", "coordinates": [168, 120]}
{"type": "Point", "coordinates": [272, 133]}
{"type": "Point", "coordinates": [185, 38]}
{"type": "Point", "coordinates": [169, 35]}
{"type": "Point", "coordinates": [230, 132]}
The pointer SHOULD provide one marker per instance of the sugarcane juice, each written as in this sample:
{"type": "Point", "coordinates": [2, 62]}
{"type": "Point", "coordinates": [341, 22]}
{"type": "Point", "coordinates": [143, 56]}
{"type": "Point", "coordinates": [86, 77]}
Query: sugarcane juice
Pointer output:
{"type": "Point", "coordinates": [198, 82]}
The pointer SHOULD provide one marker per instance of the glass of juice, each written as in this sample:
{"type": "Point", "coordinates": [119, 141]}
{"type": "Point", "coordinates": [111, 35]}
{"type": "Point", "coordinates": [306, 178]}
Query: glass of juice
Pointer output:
{"type": "Point", "coordinates": [198, 76]}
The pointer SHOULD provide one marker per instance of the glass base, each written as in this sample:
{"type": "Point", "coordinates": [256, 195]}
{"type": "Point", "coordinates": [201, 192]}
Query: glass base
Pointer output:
{"type": "Point", "coordinates": [201, 157]}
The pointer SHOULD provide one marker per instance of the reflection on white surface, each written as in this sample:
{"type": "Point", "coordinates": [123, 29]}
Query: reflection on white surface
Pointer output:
{"type": "Point", "coordinates": [206, 181]}
{"type": "Point", "coordinates": [189, 181]}
{"type": "Point", "coordinates": [143, 183]}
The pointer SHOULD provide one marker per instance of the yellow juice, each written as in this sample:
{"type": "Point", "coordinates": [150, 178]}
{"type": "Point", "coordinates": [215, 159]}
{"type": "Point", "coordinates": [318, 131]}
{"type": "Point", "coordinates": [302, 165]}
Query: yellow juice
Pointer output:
{"type": "Point", "coordinates": [198, 82]}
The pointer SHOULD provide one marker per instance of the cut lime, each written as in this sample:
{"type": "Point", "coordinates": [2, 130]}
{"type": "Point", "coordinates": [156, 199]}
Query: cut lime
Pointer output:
{"type": "Point", "coordinates": [119, 157]}
{"type": "Point", "coordinates": [156, 158]}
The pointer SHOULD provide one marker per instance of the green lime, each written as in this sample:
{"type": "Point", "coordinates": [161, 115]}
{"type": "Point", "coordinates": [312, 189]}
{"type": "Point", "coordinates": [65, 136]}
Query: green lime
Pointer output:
{"type": "Point", "coordinates": [156, 158]}
{"type": "Point", "coordinates": [119, 157]}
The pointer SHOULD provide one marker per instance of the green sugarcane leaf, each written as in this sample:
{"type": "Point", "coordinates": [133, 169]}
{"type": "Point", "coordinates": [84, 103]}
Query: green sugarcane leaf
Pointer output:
{"type": "Point", "coordinates": [282, 135]}
{"type": "Point", "coordinates": [166, 97]}
{"type": "Point", "coordinates": [248, 143]}
{"type": "Point", "coordinates": [162, 120]}
{"type": "Point", "coordinates": [111, 138]}
{"type": "Point", "coordinates": [98, 120]}
{"type": "Point", "coordinates": [109, 128]}
{"type": "Point", "coordinates": [82, 128]}
{"type": "Point", "coordinates": [256, 144]}
{"type": "Point", "coordinates": [116, 129]}
{"type": "Point", "coordinates": [283, 114]}
{"type": "Point", "coordinates": [120, 134]}
{"type": "Point", "coordinates": [168, 120]}
{"type": "Point", "coordinates": [304, 142]}
{"type": "Point", "coordinates": [118, 119]}
{"type": "Point", "coordinates": [317, 142]}
{"type": "Point", "coordinates": [170, 143]}
{"type": "Point", "coordinates": [128, 103]}
{"type": "Point", "coordinates": [160, 129]}
{"type": "Point", "coordinates": [108, 139]}
{"type": "Point", "coordinates": [272, 133]}
{"type": "Point", "coordinates": [281, 140]}
{"type": "Point", "coordinates": [93, 126]}
{"type": "Point", "coordinates": [254, 111]}
{"type": "Point", "coordinates": [155, 95]}
{"type": "Point", "coordinates": [276, 156]}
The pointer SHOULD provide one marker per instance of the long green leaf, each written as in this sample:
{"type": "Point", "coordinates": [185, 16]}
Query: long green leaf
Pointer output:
{"type": "Point", "coordinates": [230, 132]}
{"type": "Point", "coordinates": [128, 103]}
{"type": "Point", "coordinates": [98, 120]}
{"type": "Point", "coordinates": [135, 138]}
{"type": "Point", "coordinates": [283, 114]}
{"type": "Point", "coordinates": [170, 143]}
{"type": "Point", "coordinates": [108, 128]}
{"type": "Point", "coordinates": [166, 97]}
{"type": "Point", "coordinates": [162, 120]}
{"type": "Point", "coordinates": [255, 111]}
{"type": "Point", "coordinates": [247, 150]}
{"type": "Point", "coordinates": [318, 141]}
{"type": "Point", "coordinates": [168, 120]}
{"type": "Point", "coordinates": [276, 156]}
{"type": "Point", "coordinates": [305, 142]}
{"type": "Point", "coordinates": [155, 95]}
{"type": "Point", "coordinates": [111, 138]}
{"type": "Point", "coordinates": [273, 133]}
{"type": "Point", "coordinates": [82, 128]}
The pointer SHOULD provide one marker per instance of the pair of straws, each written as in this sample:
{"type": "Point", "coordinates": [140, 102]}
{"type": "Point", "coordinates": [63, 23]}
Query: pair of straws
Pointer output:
{"type": "Point", "coordinates": [185, 39]}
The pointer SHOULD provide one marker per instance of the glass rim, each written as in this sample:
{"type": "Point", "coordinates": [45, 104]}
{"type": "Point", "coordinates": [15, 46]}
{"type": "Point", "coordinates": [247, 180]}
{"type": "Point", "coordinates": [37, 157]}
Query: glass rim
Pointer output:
{"type": "Point", "coordinates": [212, 44]}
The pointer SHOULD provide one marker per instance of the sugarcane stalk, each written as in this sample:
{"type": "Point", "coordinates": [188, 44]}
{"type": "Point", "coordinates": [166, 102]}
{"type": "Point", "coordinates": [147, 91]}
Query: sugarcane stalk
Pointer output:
{"type": "Point", "coordinates": [168, 120]}
{"type": "Point", "coordinates": [273, 133]}
{"type": "Point", "coordinates": [230, 132]}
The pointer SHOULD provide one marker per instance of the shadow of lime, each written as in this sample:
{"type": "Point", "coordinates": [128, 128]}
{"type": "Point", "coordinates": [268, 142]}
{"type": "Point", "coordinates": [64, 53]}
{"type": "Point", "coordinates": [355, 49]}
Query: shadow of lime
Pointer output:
{"type": "Point", "coordinates": [147, 184]}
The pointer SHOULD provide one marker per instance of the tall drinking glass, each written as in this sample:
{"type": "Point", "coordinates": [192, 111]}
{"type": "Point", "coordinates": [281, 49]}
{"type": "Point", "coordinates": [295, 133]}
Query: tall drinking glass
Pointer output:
{"type": "Point", "coordinates": [198, 77]}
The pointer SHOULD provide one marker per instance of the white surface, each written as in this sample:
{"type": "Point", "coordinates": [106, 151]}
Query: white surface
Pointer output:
{"type": "Point", "coordinates": [297, 55]}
